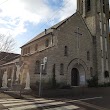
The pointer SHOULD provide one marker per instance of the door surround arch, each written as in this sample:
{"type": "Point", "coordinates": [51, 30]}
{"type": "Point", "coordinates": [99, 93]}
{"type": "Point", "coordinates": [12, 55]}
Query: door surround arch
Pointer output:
{"type": "Point", "coordinates": [82, 69]}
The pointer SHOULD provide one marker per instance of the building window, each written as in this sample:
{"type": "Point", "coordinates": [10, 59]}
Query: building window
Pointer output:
{"type": "Point", "coordinates": [107, 64]}
{"type": "Point", "coordinates": [47, 43]}
{"type": "Point", "coordinates": [36, 47]}
{"type": "Point", "coordinates": [91, 71]}
{"type": "Point", "coordinates": [37, 67]}
{"type": "Point", "coordinates": [103, 6]}
{"type": "Point", "coordinates": [23, 51]}
{"type": "Point", "coordinates": [106, 44]}
{"type": "Point", "coordinates": [106, 74]}
{"type": "Point", "coordinates": [26, 50]}
{"type": "Point", "coordinates": [88, 5]}
{"type": "Point", "coordinates": [94, 39]}
{"type": "Point", "coordinates": [66, 51]}
{"type": "Point", "coordinates": [61, 69]}
{"type": "Point", "coordinates": [88, 55]}
{"type": "Point", "coordinates": [101, 42]}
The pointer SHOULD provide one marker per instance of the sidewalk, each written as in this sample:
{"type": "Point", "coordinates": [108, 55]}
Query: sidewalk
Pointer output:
{"type": "Point", "coordinates": [17, 95]}
{"type": "Point", "coordinates": [5, 96]}
{"type": "Point", "coordinates": [74, 93]}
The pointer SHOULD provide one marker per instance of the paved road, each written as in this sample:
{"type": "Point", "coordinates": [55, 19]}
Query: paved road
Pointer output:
{"type": "Point", "coordinates": [37, 104]}
{"type": "Point", "coordinates": [94, 103]}
{"type": "Point", "coordinates": [103, 102]}
{"type": "Point", "coordinates": [47, 104]}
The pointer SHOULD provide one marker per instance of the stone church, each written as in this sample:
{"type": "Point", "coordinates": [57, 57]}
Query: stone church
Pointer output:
{"type": "Point", "coordinates": [76, 48]}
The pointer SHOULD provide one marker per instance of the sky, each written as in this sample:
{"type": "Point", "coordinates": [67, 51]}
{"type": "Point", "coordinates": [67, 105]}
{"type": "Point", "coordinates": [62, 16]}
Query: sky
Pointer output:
{"type": "Point", "coordinates": [24, 19]}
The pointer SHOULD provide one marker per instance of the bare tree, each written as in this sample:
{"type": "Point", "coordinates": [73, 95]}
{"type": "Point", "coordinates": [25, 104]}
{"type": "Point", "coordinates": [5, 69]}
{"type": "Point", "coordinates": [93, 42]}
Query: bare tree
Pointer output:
{"type": "Point", "coordinates": [7, 43]}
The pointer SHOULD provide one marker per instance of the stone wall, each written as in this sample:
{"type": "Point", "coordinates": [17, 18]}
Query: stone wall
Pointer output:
{"type": "Point", "coordinates": [63, 36]}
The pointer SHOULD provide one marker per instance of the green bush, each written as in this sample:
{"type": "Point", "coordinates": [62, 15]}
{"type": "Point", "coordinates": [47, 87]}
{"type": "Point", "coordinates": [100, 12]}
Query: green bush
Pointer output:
{"type": "Point", "coordinates": [93, 82]}
{"type": "Point", "coordinates": [104, 85]}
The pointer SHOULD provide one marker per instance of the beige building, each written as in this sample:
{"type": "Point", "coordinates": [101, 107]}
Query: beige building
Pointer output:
{"type": "Point", "coordinates": [10, 68]}
{"type": "Point", "coordinates": [76, 48]}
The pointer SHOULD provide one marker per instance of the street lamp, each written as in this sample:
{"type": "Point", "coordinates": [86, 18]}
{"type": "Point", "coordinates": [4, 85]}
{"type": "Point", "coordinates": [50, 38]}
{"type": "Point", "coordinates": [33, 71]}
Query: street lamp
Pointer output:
{"type": "Point", "coordinates": [42, 67]}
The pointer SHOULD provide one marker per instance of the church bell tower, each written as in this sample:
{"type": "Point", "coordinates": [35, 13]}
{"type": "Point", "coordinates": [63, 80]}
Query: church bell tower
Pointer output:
{"type": "Point", "coordinates": [96, 16]}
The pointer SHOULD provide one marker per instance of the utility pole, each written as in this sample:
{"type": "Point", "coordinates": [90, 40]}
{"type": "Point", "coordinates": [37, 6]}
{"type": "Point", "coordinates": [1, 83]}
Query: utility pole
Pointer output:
{"type": "Point", "coordinates": [42, 67]}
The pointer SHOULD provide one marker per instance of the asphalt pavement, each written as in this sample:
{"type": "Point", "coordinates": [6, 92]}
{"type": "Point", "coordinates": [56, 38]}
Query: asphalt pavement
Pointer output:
{"type": "Point", "coordinates": [10, 101]}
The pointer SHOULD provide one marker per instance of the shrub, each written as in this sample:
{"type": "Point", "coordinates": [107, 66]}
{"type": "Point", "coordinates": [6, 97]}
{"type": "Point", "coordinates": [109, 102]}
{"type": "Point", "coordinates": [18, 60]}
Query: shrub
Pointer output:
{"type": "Point", "coordinates": [104, 85]}
{"type": "Point", "coordinates": [93, 82]}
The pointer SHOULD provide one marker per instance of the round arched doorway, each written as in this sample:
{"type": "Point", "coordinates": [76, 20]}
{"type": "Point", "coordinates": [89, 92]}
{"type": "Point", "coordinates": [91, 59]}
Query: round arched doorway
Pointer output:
{"type": "Point", "coordinates": [74, 77]}
{"type": "Point", "coordinates": [77, 73]}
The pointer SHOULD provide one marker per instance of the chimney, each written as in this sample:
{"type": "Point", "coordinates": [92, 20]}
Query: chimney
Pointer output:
{"type": "Point", "coordinates": [45, 31]}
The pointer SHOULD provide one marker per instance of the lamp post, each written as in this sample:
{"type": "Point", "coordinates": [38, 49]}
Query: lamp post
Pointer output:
{"type": "Point", "coordinates": [42, 67]}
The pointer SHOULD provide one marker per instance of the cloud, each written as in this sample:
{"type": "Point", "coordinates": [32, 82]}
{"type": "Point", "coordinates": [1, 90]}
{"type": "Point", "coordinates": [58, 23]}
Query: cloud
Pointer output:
{"type": "Point", "coordinates": [69, 7]}
{"type": "Point", "coordinates": [19, 16]}
{"type": "Point", "coordinates": [62, 10]}
{"type": "Point", "coordinates": [37, 7]}
{"type": "Point", "coordinates": [15, 13]}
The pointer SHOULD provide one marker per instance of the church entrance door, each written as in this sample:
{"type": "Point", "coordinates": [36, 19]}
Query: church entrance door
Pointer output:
{"type": "Point", "coordinates": [74, 77]}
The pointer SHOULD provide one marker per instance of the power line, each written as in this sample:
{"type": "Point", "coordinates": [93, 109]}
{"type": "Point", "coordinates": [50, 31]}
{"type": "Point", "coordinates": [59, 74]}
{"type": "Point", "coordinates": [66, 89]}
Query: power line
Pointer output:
{"type": "Point", "coordinates": [51, 17]}
{"type": "Point", "coordinates": [54, 14]}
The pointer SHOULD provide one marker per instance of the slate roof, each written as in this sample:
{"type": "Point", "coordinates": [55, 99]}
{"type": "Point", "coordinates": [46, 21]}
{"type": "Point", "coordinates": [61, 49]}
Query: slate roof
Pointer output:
{"type": "Point", "coordinates": [50, 30]}
{"type": "Point", "coordinates": [6, 57]}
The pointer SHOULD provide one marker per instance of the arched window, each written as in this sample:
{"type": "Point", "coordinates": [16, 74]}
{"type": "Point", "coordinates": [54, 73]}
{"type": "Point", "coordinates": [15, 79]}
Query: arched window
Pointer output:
{"type": "Point", "coordinates": [66, 51]}
{"type": "Point", "coordinates": [47, 43]}
{"type": "Point", "coordinates": [103, 6]}
{"type": "Point", "coordinates": [61, 69]}
{"type": "Point", "coordinates": [91, 71]}
{"type": "Point", "coordinates": [28, 50]}
{"type": "Point", "coordinates": [88, 5]}
{"type": "Point", "coordinates": [88, 55]}
{"type": "Point", "coordinates": [37, 67]}
{"type": "Point", "coordinates": [36, 47]}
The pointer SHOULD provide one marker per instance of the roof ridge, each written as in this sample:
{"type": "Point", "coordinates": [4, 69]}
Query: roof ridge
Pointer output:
{"type": "Point", "coordinates": [40, 35]}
